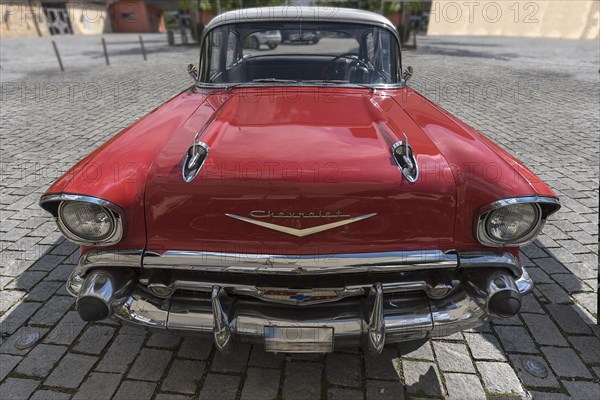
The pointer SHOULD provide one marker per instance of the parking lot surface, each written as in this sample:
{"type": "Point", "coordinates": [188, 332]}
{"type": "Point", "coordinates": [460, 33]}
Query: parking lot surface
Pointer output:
{"type": "Point", "coordinates": [538, 99]}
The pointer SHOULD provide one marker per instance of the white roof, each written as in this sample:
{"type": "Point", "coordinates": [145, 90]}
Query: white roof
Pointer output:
{"type": "Point", "coordinates": [296, 13]}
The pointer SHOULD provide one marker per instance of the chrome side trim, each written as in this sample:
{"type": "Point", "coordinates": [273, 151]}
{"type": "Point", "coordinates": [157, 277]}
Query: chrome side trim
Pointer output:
{"type": "Point", "coordinates": [131, 258]}
{"type": "Point", "coordinates": [487, 259]}
{"type": "Point", "coordinates": [290, 264]}
{"type": "Point", "coordinates": [546, 207]}
{"type": "Point", "coordinates": [47, 202]}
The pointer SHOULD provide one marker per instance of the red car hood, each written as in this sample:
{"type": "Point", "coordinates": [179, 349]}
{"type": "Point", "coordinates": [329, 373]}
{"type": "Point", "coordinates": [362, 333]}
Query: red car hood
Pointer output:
{"type": "Point", "coordinates": [299, 160]}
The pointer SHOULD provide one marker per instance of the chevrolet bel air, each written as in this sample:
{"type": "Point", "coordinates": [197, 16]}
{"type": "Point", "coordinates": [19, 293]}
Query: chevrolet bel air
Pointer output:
{"type": "Point", "coordinates": [300, 197]}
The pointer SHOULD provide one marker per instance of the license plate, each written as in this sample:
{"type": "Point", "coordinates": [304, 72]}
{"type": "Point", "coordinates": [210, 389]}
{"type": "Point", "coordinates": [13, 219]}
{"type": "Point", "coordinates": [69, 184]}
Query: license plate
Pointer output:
{"type": "Point", "coordinates": [298, 339]}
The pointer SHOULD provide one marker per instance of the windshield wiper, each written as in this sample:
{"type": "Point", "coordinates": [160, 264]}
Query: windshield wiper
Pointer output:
{"type": "Point", "coordinates": [339, 82]}
{"type": "Point", "coordinates": [275, 80]}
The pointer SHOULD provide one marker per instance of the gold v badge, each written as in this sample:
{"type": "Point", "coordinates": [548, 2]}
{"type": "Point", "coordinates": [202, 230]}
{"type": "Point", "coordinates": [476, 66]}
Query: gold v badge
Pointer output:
{"type": "Point", "coordinates": [302, 232]}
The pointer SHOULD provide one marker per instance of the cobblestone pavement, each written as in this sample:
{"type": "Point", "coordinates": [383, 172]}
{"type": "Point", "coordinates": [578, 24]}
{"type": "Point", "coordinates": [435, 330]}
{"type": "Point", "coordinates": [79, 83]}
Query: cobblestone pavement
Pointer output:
{"type": "Point", "coordinates": [536, 98]}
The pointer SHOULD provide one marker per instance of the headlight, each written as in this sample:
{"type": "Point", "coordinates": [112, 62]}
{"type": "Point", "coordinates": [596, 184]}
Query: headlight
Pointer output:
{"type": "Point", "coordinates": [512, 224]}
{"type": "Point", "coordinates": [87, 222]}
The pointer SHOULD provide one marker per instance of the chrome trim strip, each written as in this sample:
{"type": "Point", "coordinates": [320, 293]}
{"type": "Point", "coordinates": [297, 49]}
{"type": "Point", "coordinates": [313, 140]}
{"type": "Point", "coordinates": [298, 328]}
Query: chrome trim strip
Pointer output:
{"type": "Point", "coordinates": [118, 214]}
{"type": "Point", "coordinates": [302, 232]}
{"type": "Point", "coordinates": [131, 258]}
{"type": "Point", "coordinates": [290, 264]}
{"type": "Point", "coordinates": [546, 207]}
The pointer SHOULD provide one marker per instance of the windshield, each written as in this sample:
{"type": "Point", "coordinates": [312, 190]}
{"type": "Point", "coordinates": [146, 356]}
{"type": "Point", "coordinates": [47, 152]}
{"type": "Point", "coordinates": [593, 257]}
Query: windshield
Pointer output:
{"type": "Point", "coordinates": [300, 52]}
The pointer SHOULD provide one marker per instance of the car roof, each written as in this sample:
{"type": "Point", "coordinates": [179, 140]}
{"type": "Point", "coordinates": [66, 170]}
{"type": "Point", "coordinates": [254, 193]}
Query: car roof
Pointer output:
{"type": "Point", "coordinates": [294, 13]}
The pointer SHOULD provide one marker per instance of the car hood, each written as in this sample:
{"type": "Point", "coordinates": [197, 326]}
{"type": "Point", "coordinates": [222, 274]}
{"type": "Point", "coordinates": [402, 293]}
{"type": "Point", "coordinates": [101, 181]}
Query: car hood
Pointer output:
{"type": "Point", "coordinates": [284, 161]}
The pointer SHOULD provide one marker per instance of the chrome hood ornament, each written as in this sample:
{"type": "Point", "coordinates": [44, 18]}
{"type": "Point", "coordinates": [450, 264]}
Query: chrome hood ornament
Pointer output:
{"type": "Point", "coordinates": [301, 232]}
{"type": "Point", "coordinates": [405, 158]}
{"type": "Point", "coordinates": [194, 159]}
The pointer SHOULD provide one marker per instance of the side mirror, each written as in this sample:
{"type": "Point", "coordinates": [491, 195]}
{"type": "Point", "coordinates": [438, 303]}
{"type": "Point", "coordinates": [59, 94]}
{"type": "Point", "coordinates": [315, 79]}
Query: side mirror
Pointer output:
{"type": "Point", "coordinates": [407, 74]}
{"type": "Point", "coordinates": [192, 71]}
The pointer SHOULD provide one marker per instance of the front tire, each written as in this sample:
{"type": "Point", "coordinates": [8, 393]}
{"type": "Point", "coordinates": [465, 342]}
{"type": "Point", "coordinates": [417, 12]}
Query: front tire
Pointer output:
{"type": "Point", "coordinates": [272, 46]}
{"type": "Point", "coordinates": [255, 43]}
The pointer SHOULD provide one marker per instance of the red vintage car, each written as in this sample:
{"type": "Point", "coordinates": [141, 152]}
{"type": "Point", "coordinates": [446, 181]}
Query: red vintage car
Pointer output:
{"type": "Point", "coordinates": [303, 197]}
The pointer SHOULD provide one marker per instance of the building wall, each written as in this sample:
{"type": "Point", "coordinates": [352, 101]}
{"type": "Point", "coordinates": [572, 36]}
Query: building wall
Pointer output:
{"type": "Point", "coordinates": [565, 19]}
{"type": "Point", "coordinates": [89, 18]}
{"type": "Point", "coordinates": [130, 16]}
{"type": "Point", "coordinates": [17, 19]}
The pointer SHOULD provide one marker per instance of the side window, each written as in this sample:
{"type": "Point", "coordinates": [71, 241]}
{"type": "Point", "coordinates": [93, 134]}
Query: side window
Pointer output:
{"type": "Point", "coordinates": [370, 46]}
{"type": "Point", "coordinates": [213, 51]}
{"type": "Point", "coordinates": [232, 49]}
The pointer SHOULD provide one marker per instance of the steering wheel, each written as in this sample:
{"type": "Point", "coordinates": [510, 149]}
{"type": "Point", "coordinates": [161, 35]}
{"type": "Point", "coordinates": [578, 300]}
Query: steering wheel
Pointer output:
{"type": "Point", "coordinates": [350, 56]}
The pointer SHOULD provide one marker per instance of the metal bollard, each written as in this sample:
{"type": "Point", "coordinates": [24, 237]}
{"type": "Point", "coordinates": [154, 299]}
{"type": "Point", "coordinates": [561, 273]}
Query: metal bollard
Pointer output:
{"type": "Point", "coordinates": [58, 56]}
{"type": "Point", "coordinates": [105, 51]}
{"type": "Point", "coordinates": [143, 49]}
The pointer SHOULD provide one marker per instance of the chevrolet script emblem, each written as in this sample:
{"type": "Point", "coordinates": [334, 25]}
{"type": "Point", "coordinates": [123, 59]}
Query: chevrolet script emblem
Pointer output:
{"type": "Point", "coordinates": [306, 231]}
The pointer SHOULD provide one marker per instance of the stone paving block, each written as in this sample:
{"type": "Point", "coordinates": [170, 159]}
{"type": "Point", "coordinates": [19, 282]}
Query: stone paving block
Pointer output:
{"type": "Point", "coordinates": [121, 353]}
{"type": "Point", "coordinates": [165, 340]}
{"type": "Point", "coordinates": [422, 378]}
{"type": "Point", "coordinates": [530, 304]}
{"type": "Point", "coordinates": [554, 293]}
{"type": "Point", "coordinates": [184, 376]}
{"type": "Point", "coordinates": [150, 365]}
{"type": "Point", "coordinates": [453, 357]}
{"type": "Point", "coordinates": [130, 390]}
{"type": "Point", "coordinates": [71, 371]}
{"type": "Point", "coordinates": [60, 273]}
{"type": "Point", "coordinates": [50, 395]}
{"type": "Point", "coordinates": [499, 378]}
{"type": "Point", "coordinates": [18, 314]}
{"type": "Point", "coordinates": [343, 369]}
{"type": "Point", "coordinates": [52, 310]}
{"type": "Point", "coordinates": [261, 384]}
{"type": "Point", "coordinates": [464, 387]}
{"type": "Point", "coordinates": [9, 298]}
{"type": "Point", "coordinates": [384, 390]}
{"type": "Point", "coordinates": [41, 360]}
{"type": "Point", "coordinates": [565, 362]}
{"type": "Point", "coordinates": [544, 330]}
{"type": "Point", "coordinates": [171, 396]}
{"type": "Point", "coordinates": [8, 347]}
{"type": "Point", "coordinates": [383, 366]}
{"type": "Point", "coordinates": [17, 388]}
{"type": "Point", "coordinates": [484, 347]}
{"type": "Point", "coordinates": [568, 319]}
{"type": "Point", "coordinates": [94, 339]}
{"type": "Point", "coordinates": [98, 386]}
{"type": "Point", "coordinates": [65, 332]}
{"type": "Point", "coordinates": [588, 347]}
{"type": "Point", "coordinates": [516, 339]}
{"type": "Point", "coordinates": [7, 363]}
{"type": "Point", "coordinates": [570, 282]}
{"type": "Point", "coordinates": [219, 387]}
{"type": "Point", "coordinates": [196, 348]}
{"type": "Point", "coordinates": [535, 395]}
{"type": "Point", "coordinates": [302, 381]}
{"type": "Point", "coordinates": [551, 265]}
{"type": "Point", "coordinates": [260, 358]}
{"type": "Point", "coordinates": [26, 280]}
{"type": "Point", "coordinates": [236, 361]}
{"type": "Point", "coordinates": [43, 291]}
{"type": "Point", "coordinates": [549, 381]}
{"type": "Point", "coordinates": [48, 262]}
{"type": "Point", "coordinates": [423, 352]}
{"type": "Point", "coordinates": [580, 390]}
{"type": "Point", "coordinates": [344, 394]}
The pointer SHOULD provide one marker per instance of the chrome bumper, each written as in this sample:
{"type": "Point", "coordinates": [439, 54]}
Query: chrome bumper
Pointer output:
{"type": "Point", "coordinates": [369, 321]}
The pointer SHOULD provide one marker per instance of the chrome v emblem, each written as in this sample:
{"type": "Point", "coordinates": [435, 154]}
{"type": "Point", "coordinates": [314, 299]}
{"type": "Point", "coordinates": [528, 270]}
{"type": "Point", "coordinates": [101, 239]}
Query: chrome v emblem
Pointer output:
{"type": "Point", "coordinates": [302, 232]}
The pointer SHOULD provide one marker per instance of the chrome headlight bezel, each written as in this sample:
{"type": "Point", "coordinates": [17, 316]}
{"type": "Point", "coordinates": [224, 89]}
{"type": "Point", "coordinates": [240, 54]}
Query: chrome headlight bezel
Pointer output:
{"type": "Point", "coordinates": [55, 204]}
{"type": "Point", "coordinates": [543, 206]}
